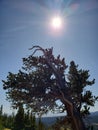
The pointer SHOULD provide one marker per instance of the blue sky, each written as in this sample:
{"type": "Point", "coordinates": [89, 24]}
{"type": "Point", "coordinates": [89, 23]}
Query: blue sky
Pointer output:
{"type": "Point", "coordinates": [24, 23]}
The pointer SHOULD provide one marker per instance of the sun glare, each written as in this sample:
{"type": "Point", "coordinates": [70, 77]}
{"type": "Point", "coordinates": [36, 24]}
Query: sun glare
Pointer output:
{"type": "Point", "coordinates": [56, 22]}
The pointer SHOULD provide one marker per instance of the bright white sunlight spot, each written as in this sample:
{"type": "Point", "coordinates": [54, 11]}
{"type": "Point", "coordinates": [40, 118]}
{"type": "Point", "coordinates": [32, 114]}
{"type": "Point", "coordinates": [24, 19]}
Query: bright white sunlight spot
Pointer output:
{"type": "Point", "coordinates": [56, 22]}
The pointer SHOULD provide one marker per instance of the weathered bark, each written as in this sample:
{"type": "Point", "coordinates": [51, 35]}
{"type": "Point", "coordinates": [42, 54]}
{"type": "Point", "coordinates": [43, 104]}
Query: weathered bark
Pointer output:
{"type": "Point", "coordinates": [75, 118]}
{"type": "Point", "coordinates": [77, 122]}
{"type": "Point", "coordinates": [72, 112]}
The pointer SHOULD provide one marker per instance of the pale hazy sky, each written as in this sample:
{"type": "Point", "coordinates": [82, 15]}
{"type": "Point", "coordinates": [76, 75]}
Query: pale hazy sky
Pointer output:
{"type": "Point", "coordinates": [24, 23]}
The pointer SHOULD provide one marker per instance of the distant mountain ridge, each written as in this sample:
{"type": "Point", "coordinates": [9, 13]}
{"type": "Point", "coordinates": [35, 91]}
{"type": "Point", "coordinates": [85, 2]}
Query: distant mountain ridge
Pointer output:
{"type": "Point", "coordinates": [92, 118]}
{"type": "Point", "coordinates": [94, 113]}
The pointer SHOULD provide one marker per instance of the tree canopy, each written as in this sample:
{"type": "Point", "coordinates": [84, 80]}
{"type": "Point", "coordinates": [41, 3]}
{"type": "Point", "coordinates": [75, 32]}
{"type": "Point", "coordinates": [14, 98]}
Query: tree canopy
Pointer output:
{"type": "Point", "coordinates": [43, 82]}
{"type": "Point", "coordinates": [78, 80]}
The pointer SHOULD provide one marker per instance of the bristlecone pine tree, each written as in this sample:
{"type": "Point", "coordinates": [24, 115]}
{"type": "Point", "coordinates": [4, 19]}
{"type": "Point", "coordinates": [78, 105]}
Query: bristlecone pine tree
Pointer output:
{"type": "Point", "coordinates": [43, 83]}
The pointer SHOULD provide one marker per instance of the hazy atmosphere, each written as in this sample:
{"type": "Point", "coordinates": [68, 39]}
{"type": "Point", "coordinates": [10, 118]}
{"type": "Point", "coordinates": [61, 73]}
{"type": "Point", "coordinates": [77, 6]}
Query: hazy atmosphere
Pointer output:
{"type": "Point", "coordinates": [74, 35]}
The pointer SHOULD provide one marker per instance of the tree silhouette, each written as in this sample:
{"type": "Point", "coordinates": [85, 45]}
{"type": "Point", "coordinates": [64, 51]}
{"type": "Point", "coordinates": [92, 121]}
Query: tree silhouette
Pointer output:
{"type": "Point", "coordinates": [19, 119]}
{"type": "Point", "coordinates": [42, 83]}
{"type": "Point", "coordinates": [78, 80]}
{"type": "Point", "coordinates": [1, 115]}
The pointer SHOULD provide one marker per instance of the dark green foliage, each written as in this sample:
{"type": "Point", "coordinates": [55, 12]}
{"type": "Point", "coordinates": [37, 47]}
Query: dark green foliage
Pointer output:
{"type": "Point", "coordinates": [1, 115]}
{"type": "Point", "coordinates": [1, 126]}
{"type": "Point", "coordinates": [19, 119]}
{"type": "Point", "coordinates": [78, 80]}
{"type": "Point", "coordinates": [30, 121]}
{"type": "Point", "coordinates": [27, 118]}
{"type": "Point", "coordinates": [1, 110]}
{"type": "Point", "coordinates": [24, 120]}
{"type": "Point", "coordinates": [6, 121]}
{"type": "Point", "coordinates": [33, 122]}
{"type": "Point", "coordinates": [42, 82]}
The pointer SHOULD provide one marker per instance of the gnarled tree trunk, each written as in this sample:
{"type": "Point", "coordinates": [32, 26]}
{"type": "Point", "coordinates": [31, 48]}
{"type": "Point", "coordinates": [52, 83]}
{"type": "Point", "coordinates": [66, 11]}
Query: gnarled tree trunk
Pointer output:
{"type": "Point", "coordinates": [75, 117]}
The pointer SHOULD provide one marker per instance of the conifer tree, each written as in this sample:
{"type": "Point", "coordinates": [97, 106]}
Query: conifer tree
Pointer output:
{"type": "Point", "coordinates": [1, 114]}
{"type": "Point", "coordinates": [33, 121]}
{"type": "Point", "coordinates": [19, 119]}
{"type": "Point", "coordinates": [1, 110]}
{"type": "Point", "coordinates": [78, 80]}
{"type": "Point", "coordinates": [27, 119]}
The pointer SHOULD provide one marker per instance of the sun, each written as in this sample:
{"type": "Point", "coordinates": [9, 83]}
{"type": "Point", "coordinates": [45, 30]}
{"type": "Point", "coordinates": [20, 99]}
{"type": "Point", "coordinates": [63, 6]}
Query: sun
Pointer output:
{"type": "Point", "coordinates": [56, 22]}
